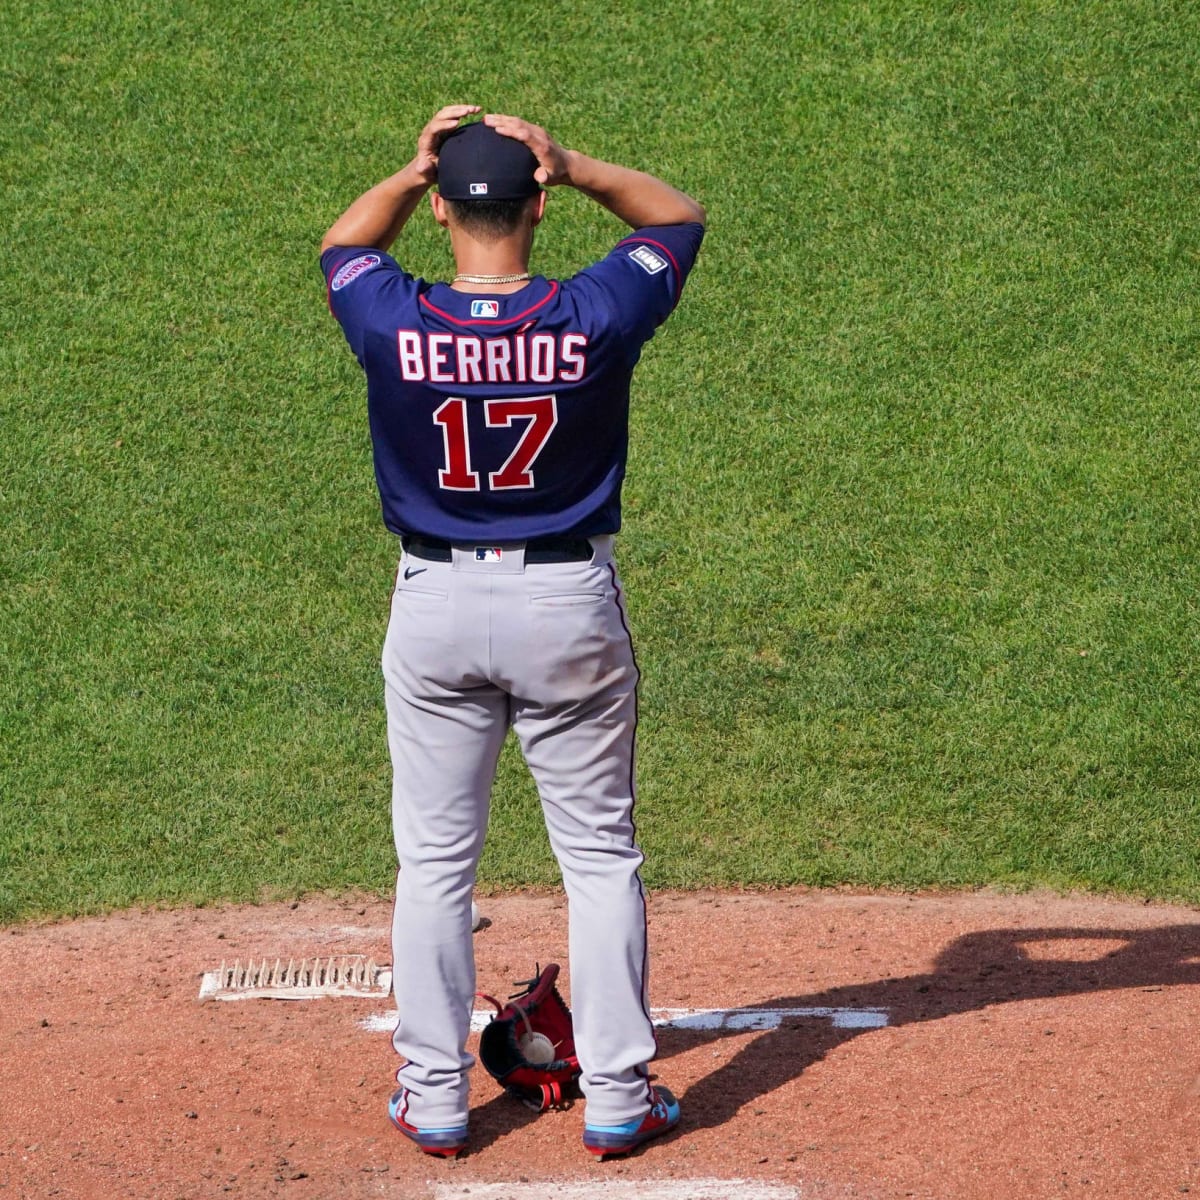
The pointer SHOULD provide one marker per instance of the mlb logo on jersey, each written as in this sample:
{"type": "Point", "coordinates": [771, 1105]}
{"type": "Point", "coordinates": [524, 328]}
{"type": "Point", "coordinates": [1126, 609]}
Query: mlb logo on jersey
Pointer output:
{"type": "Point", "coordinates": [650, 262]}
{"type": "Point", "coordinates": [488, 554]}
{"type": "Point", "coordinates": [479, 189]}
{"type": "Point", "coordinates": [485, 308]}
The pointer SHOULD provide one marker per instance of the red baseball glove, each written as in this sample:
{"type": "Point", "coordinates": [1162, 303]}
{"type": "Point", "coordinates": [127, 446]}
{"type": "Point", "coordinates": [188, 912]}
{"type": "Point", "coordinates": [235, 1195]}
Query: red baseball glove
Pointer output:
{"type": "Point", "coordinates": [529, 1045]}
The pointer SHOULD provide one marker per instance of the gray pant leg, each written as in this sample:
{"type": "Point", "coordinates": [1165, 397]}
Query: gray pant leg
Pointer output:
{"type": "Point", "coordinates": [575, 712]}
{"type": "Point", "coordinates": [445, 730]}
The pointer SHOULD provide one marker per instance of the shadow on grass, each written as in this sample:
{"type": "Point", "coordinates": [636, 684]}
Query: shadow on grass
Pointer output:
{"type": "Point", "coordinates": [975, 972]}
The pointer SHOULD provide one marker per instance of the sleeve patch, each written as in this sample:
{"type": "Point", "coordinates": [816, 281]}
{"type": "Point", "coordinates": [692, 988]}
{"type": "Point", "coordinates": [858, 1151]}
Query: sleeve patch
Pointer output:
{"type": "Point", "coordinates": [349, 272]}
{"type": "Point", "coordinates": [645, 258]}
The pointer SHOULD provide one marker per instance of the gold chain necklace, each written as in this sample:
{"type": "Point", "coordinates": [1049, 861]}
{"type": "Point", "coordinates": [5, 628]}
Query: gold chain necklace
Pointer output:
{"type": "Point", "coordinates": [491, 278]}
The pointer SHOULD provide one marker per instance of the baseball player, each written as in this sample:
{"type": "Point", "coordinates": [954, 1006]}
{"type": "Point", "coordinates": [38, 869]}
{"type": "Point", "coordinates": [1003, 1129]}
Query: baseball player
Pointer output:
{"type": "Point", "coordinates": [498, 407]}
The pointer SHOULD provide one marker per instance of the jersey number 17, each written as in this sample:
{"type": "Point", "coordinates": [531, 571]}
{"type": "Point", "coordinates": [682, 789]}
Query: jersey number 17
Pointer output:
{"type": "Point", "coordinates": [541, 416]}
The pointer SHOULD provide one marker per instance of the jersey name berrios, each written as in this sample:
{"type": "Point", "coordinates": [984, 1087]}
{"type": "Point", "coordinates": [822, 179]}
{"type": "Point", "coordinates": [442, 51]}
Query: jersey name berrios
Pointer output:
{"type": "Point", "coordinates": [505, 417]}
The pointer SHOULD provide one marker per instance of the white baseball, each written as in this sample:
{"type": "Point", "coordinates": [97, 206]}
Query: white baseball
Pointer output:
{"type": "Point", "coordinates": [476, 919]}
{"type": "Point", "coordinates": [537, 1048]}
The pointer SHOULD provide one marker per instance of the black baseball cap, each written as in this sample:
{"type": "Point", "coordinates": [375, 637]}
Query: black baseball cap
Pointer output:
{"type": "Point", "coordinates": [477, 163]}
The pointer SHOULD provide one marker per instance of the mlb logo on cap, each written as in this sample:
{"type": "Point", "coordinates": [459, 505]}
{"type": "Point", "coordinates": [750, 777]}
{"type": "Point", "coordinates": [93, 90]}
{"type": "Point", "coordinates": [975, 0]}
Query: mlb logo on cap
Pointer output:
{"type": "Point", "coordinates": [485, 308]}
{"type": "Point", "coordinates": [479, 189]}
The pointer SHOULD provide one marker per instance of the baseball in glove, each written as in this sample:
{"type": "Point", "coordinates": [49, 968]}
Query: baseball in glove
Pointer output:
{"type": "Point", "coordinates": [529, 1045]}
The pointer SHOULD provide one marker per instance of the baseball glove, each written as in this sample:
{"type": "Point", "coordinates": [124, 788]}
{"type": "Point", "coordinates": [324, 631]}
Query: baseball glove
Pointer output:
{"type": "Point", "coordinates": [529, 1045]}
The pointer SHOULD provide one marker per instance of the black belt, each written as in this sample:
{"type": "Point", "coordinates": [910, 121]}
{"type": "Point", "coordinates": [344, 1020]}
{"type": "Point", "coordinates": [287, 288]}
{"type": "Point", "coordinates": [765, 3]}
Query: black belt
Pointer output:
{"type": "Point", "coordinates": [537, 550]}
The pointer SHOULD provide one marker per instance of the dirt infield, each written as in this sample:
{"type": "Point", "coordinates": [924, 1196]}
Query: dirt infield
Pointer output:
{"type": "Point", "coordinates": [1035, 1046]}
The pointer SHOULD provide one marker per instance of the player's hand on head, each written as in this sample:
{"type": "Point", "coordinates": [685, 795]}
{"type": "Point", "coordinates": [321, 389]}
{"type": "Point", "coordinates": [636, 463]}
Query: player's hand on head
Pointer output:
{"type": "Point", "coordinates": [444, 121]}
{"type": "Point", "coordinates": [553, 164]}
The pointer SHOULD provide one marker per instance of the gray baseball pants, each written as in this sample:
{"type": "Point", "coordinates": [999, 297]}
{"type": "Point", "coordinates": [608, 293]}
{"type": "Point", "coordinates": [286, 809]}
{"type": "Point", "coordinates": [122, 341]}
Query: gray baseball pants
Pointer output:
{"type": "Point", "coordinates": [474, 646]}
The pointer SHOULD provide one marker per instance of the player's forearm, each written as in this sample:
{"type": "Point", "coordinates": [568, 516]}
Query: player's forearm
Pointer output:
{"type": "Point", "coordinates": [378, 215]}
{"type": "Point", "coordinates": [636, 198]}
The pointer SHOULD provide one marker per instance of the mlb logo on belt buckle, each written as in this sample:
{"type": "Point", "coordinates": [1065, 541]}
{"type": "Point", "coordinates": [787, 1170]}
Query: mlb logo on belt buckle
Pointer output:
{"type": "Point", "coordinates": [488, 554]}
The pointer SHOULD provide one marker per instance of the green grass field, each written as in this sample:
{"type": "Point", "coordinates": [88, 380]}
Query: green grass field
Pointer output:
{"type": "Point", "coordinates": [910, 530]}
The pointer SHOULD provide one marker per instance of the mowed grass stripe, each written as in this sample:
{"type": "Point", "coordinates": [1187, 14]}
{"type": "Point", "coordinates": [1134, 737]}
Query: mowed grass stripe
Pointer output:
{"type": "Point", "coordinates": [909, 522]}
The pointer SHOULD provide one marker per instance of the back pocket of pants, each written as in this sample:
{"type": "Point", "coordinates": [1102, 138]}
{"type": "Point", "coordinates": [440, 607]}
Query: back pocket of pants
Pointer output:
{"type": "Point", "coordinates": [568, 599]}
{"type": "Point", "coordinates": [425, 595]}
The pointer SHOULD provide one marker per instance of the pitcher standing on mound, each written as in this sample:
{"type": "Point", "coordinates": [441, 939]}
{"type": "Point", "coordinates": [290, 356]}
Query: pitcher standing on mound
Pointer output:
{"type": "Point", "coordinates": [498, 409]}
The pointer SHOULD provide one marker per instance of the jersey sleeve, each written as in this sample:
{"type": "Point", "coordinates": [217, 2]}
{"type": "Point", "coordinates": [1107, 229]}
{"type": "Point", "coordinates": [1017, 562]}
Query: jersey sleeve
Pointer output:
{"type": "Point", "coordinates": [356, 277]}
{"type": "Point", "coordinates": [642, 277]}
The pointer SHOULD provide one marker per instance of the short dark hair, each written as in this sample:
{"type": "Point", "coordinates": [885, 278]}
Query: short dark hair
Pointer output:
{"type": "Point", "coordinates": [489, 220]}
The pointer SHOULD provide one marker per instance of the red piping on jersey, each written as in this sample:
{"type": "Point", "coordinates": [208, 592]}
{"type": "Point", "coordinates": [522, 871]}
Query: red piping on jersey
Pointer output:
{"type": "Point", "coordinates": [493, 320]}
{"type": "Point", "coordinates": [652, 242]}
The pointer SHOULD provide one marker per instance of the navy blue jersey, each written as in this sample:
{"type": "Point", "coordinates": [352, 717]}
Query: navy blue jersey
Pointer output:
{"type": "Point", "coordinates": [505, 417]}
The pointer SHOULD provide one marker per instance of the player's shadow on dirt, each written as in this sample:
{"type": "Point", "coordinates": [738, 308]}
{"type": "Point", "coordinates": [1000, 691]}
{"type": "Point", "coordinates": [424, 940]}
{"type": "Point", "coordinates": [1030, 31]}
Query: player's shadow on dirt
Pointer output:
{"type": "Point", "coordinates": [497, 1118]}
{"type": "Point", "coordinates": [972, 973]}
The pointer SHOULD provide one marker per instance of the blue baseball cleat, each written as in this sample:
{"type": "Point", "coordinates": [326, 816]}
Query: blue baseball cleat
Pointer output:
{"type": "Point", "coordinates": [441, 1143]}
{"type": "Point", "coordinates": [610, 1140]}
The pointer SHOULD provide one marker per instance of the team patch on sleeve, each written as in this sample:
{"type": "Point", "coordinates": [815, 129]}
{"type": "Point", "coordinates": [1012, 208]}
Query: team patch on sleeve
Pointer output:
{"type": "Point", "coordinates": [650, 262]}
{"type": "Point", "coordinates": [349, 272]}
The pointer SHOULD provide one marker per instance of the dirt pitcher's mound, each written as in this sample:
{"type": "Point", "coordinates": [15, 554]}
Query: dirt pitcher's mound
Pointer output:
{"type": "Point", "coordinates": [956, 1046]}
